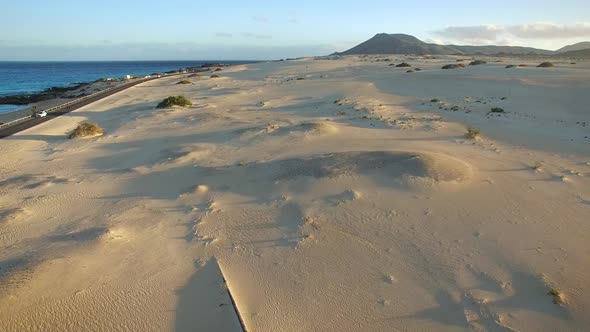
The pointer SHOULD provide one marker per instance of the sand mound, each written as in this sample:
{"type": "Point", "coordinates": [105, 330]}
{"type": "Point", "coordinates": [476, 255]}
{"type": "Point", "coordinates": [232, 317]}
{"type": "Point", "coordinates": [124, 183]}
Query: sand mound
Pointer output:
{"type": "Point", "coordinates": [317, 128]}
{"type": "Point", "coordinates": [305, 129]}
{"type": "Point", "coordinates": [438, 168]}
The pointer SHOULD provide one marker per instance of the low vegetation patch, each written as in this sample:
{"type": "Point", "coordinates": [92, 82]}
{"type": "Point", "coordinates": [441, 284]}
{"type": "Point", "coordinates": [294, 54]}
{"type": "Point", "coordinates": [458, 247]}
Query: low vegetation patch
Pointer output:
{"type": "Point", "coordinates": [185, 82]}
{"type": "Point", "coordinates": [558, 297]}
{"type": "Point", "coordinates": [214, 76]}
{"type": "Point", "coordinates": [497, 110]}
{"type": "Point", "coordinates": [174, 101]}
{"type": "Point", "coordinates": [194, 75]}
{"type": "Point", "coordinates": [510, 66]}
{"type": "Point", "coordinates": [86, 130]}
{"type": "Point", "coordinates": [435, 100]}
{"type": "Point", "coordinates": [472, 133]}
{"type": "Point", "coordinates": [453, 66]}
{"type": "Point", "coordinates": [477, 63]}
{"type": "Point", "coordinates": [404, 64]}
{"type": "Point", "coordinates": [545, 65]}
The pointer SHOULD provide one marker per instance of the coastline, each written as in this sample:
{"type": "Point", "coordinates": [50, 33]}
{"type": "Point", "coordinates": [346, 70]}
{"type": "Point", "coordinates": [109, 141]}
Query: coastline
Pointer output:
{"type": "Point", "coordinates": [55, 96]}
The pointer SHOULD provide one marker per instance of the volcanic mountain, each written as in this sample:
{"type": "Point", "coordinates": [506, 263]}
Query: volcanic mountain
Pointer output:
{"type": "Point", "coordinates": [384, 43]}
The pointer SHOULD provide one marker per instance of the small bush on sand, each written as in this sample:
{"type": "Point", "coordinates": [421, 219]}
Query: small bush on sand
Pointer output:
{"type": "Point", "coordinates": [510, 66]}
{"type": "Point", "coordinates": [175, 101]}
{"type": "Point", "coordinates": [86, 130]}
{"type": "Point", "coordinates": [404, 64]}
{"type": "Point", "coordinates": [453, 66]}
{"type": "Point", "coordinates": [558, 297]}
{"type": "Point", "coordinates": [218, 69]}
{"type": "Point", "coordinates": [185, 82]}
{"type": "Point", "coordinates": [545, 65]}
{"type": "Point", "coordinates": [435, 100]}
{"type": "Point", "coordinates": [523, 65]}
{"type": "Point", "coordinates": [194, 75]}
{"type": "Point", "coordinates": [214, 76]}
{"type": "Point", "coordinates": [472, 133]}
{"type": "Point", "coordinates": [497, 110]}
{"type": "Point", "coordinates": [477, 63]}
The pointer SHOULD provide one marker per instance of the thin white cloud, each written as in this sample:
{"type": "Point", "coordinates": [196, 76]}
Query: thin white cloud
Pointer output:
{"type": "Point", "coordinates": [473, 34]}
{"type": "Point", "coordinates": [158, 51]}
{"type": "Point", "coordinates": [223, 35]}
{"type": "Point", "coordinates": [488, 34]}
{"type": "Point", "coordinates": [550, 30]}
{"type": "Point", "coordinates": [260, 19]}
{"type": "Point", "coordinates": [255, 35]}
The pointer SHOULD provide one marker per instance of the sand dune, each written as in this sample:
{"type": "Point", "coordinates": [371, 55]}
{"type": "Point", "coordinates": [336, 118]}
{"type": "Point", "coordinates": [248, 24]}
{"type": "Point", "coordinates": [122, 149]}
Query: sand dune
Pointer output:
{"type": "Point", "coordinates": [330, 195]}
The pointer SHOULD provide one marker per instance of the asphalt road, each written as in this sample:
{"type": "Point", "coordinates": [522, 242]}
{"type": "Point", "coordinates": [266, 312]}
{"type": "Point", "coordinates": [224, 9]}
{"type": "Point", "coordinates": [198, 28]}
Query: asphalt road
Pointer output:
{"type": "Point", "coordinates": [26, 124]}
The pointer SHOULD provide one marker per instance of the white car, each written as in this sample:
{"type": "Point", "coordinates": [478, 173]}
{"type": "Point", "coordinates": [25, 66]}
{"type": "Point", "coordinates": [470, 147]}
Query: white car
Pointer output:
{"type": "Point", "coordinates": [41, 114]}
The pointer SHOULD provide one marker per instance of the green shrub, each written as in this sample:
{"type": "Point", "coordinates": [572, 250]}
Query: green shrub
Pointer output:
{"type": "Point", "coordinates": [453, 66]}
{"type": "Point", "coordinates": [404, 64]}
{"type": "Point", "coordinates": [545, 65]}
{"type": "Point", "coordinates": [510, 66]}
{"type": "Point", "coordinates": [497, 110]}
{"type": "Point", "coordinates": [477, 63]}
{"type": "Point", "coordinates": [185, 82]}
{"type": "Point", "coordinates": [472, 133]}
{"type": "Point", "coordinates": [435, 100]}
{"type": "Point", "coordinates": [214, 76]}
{"type": "Point", "coordinates": [86, 130]}
{"type": "Point", "coordinates": [175, 101]}
{"type": "Point", "coordinates": [194, 75]}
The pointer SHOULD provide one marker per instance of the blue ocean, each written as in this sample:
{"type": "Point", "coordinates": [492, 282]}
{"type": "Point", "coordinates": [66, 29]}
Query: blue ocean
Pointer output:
{"type": "Point", "coordinates": [30, 77]}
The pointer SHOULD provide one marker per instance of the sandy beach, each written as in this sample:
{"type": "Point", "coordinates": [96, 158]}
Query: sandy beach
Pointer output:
{"type": "Point", "coordinates": [332, 195]}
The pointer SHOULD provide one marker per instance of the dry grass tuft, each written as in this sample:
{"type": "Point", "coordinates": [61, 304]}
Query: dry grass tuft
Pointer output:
{"type": "Point", "coordinates": [472, 133]}
{"type": "Point", "coordinates": [175, 101]}
{"type": "Point", "coordinates": [86, 130]}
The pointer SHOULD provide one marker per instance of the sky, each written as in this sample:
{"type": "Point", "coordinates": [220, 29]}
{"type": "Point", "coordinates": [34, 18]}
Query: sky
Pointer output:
{"type": "Point", "coordinates": [65, 30]}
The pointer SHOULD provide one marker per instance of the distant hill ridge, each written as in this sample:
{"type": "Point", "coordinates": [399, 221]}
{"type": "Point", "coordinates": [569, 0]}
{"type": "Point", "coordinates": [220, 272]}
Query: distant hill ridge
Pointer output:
{"type": "Point", "coordinates": [574, 47]}
{"type": "Point", "coordinates": [384, 43]}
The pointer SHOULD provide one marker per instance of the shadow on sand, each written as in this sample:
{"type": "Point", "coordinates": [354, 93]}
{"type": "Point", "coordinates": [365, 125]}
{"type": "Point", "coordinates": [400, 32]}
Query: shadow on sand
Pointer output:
{"type": "Point", "coordinates": [204, 303]}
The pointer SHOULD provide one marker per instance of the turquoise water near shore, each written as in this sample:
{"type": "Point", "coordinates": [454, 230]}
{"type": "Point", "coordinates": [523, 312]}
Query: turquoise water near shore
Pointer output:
{"type": "Point", "coordinates": [30, 77]}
